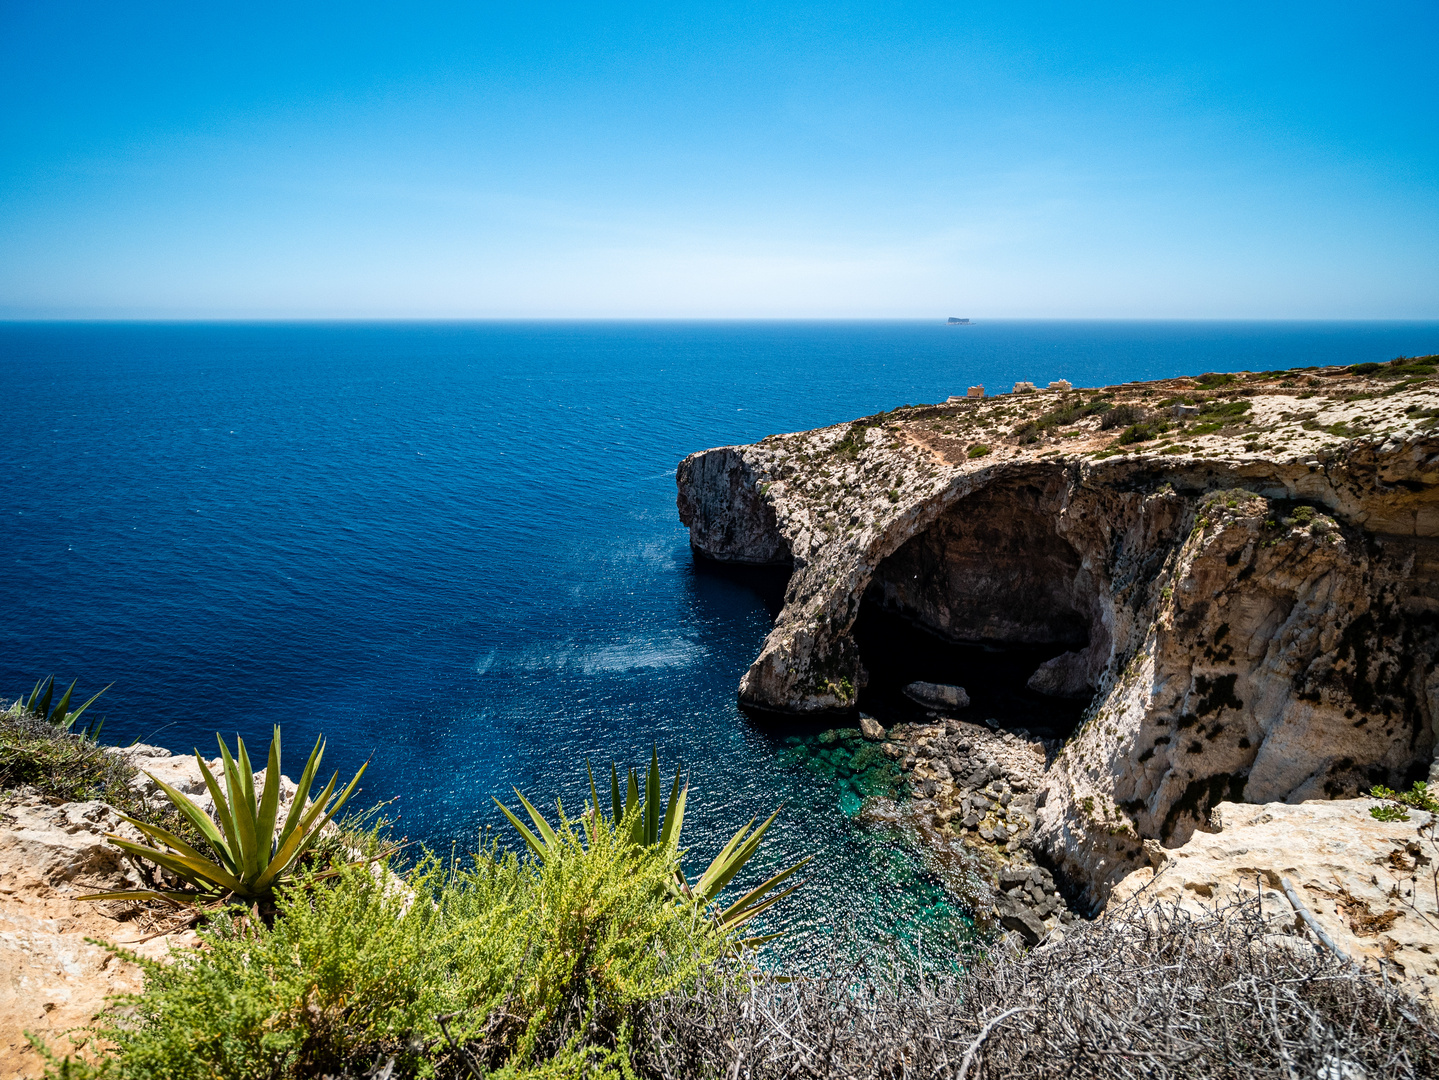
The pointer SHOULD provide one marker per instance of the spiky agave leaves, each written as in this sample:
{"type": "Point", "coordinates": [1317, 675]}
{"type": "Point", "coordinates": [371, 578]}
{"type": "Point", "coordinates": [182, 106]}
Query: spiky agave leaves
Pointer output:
{"type": "Point", "coordinates": [252, 857]}
{"type": "Point", "coordinates": [656, 823]}
{"type": "Point", "coordinates": [729, 862]}
{"type": "Point", "coordinates": [652, 822]}
{"type": "Point", "coordinates": [38, 704]}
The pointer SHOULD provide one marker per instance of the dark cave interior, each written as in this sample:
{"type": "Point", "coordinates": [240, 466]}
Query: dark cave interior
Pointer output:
{"type": "Point", "coordinates": [896, 651]}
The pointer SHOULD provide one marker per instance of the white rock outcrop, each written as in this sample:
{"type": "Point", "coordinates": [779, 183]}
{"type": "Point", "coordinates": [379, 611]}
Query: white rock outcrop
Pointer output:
{"type": "Point", "coordinates": [53, 980]}
{"type": "Point", "coordinates": [1370, 884]}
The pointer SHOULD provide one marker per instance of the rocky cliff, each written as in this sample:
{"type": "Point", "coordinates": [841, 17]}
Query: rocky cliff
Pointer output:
{"type": "Point", "coordinates": [1238, 574]}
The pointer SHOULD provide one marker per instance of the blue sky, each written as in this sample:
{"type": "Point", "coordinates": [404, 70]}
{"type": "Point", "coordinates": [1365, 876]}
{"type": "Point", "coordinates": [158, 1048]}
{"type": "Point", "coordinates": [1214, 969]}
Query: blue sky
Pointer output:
{"type": "Point", "coordinates": [719, 160]}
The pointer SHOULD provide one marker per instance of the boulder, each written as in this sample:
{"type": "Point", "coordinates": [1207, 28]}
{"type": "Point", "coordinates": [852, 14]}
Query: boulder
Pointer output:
{"type": "Point", "coordinates": [870, 728]}
{"type": "Point", "coordinates": [65, 844]}
{"type": "Point", "coordinates": [1012, 877]}
{"type": "Point", "coordinates": [937, 695]}
{"type": "Point", "coordinates": [1022, 920]}
{"type": "Point", "coordinates": [1065, 676]}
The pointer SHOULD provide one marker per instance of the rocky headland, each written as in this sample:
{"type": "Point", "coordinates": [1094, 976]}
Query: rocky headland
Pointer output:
{"type": "Point", "coordinates": [1225, 585]}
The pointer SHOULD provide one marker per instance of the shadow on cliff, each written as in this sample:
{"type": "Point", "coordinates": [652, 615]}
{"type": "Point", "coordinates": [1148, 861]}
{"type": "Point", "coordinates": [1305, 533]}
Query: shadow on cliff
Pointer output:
{"type": "Point", "coordinates": [896, 652]}
{"type": "Point", "coordinates": [767, 583]}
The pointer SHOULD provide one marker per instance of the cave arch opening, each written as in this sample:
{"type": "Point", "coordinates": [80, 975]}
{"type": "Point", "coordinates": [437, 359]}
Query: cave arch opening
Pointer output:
{"type": "Point", "coordinates": [990, 597]}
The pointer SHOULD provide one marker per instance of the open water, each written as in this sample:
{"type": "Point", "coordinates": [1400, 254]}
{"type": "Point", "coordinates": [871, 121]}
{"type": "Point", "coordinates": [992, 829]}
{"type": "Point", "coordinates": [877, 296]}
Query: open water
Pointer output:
{"type": "Point", "coordinates": [452, 548]}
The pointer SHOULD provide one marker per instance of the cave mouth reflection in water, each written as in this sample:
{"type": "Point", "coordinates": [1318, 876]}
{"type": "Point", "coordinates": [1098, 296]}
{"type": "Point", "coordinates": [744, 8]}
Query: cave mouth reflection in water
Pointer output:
{"type": "Point", "coordinates": [896, 652]}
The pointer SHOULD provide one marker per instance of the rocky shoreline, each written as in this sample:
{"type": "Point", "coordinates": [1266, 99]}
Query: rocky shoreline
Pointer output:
{"type": "Point", "coordinates": [983, 787]}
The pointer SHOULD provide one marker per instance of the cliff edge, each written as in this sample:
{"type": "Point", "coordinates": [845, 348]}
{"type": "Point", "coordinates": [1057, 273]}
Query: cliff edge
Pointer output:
{"type": "Point", "coordinates": [1238, 575]}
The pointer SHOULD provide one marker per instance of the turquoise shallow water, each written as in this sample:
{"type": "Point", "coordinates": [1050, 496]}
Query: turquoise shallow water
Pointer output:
{"type": "Point", "coordinates": [453, 548]}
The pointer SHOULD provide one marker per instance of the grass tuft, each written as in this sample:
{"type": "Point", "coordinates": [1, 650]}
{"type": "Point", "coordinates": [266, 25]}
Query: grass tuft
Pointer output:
{"type": "Point", "coordinates": [39, 758]}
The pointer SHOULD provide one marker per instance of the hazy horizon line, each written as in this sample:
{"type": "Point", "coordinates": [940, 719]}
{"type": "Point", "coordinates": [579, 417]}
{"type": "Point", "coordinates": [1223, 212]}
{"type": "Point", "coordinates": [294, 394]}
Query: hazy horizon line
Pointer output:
{"type": "Point", "coordinates": [474, 319]}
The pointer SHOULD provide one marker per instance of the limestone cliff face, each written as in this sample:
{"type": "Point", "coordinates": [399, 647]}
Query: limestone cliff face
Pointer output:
{"type": "Point", "coordinates": [1250, 601]}
{"type": "Point", "coordinates": [723, 505]}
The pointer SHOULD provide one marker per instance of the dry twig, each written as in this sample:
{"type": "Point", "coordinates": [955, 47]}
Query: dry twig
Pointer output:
{"type": "Point", "coordinates": [1146, 992]}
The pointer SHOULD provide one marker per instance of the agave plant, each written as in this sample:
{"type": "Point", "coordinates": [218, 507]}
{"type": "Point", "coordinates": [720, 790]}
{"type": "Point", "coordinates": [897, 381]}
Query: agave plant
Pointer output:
{"type": "Point", "coordinates": [252, 854]}
{"type": "Point", "coordinates": [38, 705]}
{"type": "Point", "coordinates": [653, 823]}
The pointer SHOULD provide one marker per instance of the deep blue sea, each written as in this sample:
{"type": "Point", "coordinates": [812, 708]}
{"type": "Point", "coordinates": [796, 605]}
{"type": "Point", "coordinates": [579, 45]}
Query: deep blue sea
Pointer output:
{"type": "Point", "coordinates": [453, 548]}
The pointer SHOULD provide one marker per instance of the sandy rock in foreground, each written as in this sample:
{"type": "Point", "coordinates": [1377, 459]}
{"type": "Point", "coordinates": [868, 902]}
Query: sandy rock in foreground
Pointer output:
{"type": "Point", "coordinates": [51, 979]}
{"type": "Point", "coordinates": [1371, 884]}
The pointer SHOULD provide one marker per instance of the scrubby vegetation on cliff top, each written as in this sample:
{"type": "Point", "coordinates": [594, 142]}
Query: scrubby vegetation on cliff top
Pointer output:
{"type": "Point", "coordinates": [815, 480]}
{"type": "Point", "coordinates": [38, 757]}
{"type": "Point", "coordinates": [1269, 412]}
{"type": "Point", "coordinates": [492, 966]}
{"type": "Point", "coordinates": [504, 969]}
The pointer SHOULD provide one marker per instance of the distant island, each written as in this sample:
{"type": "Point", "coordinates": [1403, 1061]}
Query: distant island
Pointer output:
{"type": "Point", "coordinates": [958, 322]}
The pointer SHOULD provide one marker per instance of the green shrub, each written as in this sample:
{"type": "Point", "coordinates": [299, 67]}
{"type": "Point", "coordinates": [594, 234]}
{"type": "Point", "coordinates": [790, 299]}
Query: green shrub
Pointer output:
{"type": "Point", "coordinates": [1143, 432]}
{"type": "Point", "coordinates": [1032, 430]}
{"type": "Point", "coordinates": [978, 450]}
{"type": "Point", "coordinates": [1399, 367]}
{"type": "Point", "coordinates": [60, 714]}
{"type": "Point", "coordinates": [41, 757]}
{"type": "Point", "coordinates": [1211, 379]}
{"type": "Point", "coordinates": [529, 968]}
{"type": "Point", "coordinates": [642, 816]}
{"type": "Point", "coordinates": [1388, 812]}
{"type": "Point", "coordinates": [1224, 409]}
{"type": "Point", "coordinates": [1417, 797]}
{"type": "Point", "coordinates": [853, 441]}
{"type": "Point", "coordinates": [1120, 416]}
{"type": "Point", "coordinates": [1027, 432]}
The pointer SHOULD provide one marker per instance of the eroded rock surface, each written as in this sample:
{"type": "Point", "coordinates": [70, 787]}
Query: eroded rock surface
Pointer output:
{"type": "Point", "coordinates": [1242, 578]}
{"type": "Point", "coordinates": [1370, 884]}
{"type": "Point", "coordinates": [53, 980]}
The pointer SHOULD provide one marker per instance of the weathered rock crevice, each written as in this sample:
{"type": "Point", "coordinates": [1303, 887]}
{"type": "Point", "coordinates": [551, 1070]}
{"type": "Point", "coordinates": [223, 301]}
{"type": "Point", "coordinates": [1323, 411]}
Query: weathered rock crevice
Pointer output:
{"type": "Point", "coordinates": [1244, 625]}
